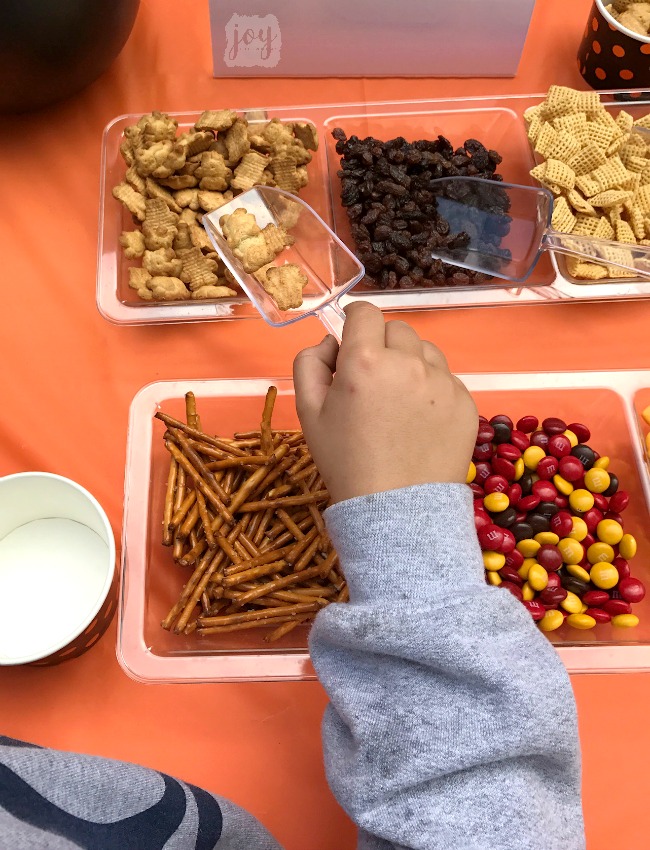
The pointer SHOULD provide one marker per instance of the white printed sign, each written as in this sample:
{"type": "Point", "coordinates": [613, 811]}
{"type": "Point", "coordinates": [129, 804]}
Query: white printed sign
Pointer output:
{"type": "Point", "coordinates": [252, 41]}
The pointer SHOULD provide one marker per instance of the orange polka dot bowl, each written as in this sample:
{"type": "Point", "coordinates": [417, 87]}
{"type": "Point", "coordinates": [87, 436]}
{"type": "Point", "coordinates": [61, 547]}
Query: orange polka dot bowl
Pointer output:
{"type": "Point", "coordinates": [612, 56]}
{"type": "Point", "coordinates": [58, 587]}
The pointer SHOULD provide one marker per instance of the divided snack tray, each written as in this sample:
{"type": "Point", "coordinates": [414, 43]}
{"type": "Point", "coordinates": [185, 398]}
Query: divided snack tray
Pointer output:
{"type": "Point", "coordinates": [609, 403]}
{"type": "Point", "coordinates": [495, 121]}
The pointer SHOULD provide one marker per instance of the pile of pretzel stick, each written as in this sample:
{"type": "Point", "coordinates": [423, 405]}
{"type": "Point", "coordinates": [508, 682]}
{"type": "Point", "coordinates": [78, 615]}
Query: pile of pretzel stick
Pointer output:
{"type": "Point", "coordinates": [244, 512]}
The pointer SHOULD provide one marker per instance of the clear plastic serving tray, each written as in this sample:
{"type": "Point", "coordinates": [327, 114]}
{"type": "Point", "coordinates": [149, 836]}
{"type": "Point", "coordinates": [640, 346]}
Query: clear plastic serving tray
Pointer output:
{"type": "Point", "coordinates": [495, 121]}
{"type": "Point", "coordinates": [608, 402]}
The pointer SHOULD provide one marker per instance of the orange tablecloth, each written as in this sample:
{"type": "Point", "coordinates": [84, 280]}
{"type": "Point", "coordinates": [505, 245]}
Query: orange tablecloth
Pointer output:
{"type": "Point", "coordinates": [67, 378]}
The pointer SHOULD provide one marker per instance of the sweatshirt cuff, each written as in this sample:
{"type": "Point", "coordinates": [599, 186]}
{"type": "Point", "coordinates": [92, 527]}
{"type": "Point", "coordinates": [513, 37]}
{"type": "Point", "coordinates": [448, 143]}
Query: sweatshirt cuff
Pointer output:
{"type": "Point", "coordinates": [417, 543]}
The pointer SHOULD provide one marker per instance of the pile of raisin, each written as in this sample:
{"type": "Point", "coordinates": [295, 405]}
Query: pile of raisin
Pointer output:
{"type": "Point", "coordinates": [386, 188]}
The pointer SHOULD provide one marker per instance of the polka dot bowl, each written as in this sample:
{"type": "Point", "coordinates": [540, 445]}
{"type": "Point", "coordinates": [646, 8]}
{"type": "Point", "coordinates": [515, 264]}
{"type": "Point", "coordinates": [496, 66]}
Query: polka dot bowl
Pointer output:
{"type": "Point", "coordinates": [612, 56]}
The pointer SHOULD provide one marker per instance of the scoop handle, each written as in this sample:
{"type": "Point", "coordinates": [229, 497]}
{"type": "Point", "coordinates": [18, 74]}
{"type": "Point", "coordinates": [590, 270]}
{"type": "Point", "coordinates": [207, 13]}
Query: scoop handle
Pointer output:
{"type": "Point", "coordinates": [634, 258]}
{"type": "Point", "coordinates": [333, 317]}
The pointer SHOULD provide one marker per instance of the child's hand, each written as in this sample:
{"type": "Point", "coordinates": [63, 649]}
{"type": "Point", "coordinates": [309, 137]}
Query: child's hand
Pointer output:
{"type": "Point", "coordinates": [392, 416]}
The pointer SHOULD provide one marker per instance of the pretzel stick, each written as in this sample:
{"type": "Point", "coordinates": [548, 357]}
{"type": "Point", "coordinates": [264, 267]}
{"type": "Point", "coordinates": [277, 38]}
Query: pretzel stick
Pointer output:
{"type": "Point", "coordinates": [267, 516]}
{"type": "Point", "coordinates": [298, 548]}
{"type": "Point", "coordinates": [246, 460]}
{"type": "Point", "coordinates": [194, 553]}
{"type": "Point", "coordinates": [301, 463]}
{"type": "Point", "coordinates": [192, 456]}
{"type": "Point", "coordinates": [343, 595]}
{"type": "Point", "coordinates": [307, 499]}
{"type": "Point", "coordinates": [307, 556]}
{"type": "Point", "coordinates": [180, 488]}
{"type": "Point", "coordinates": [184, 508]}
{"type": "Point", "coordinates": [205, 519]}
{"type": "Point", "coordinates": [210, 567]}
{"type": "Point", "coordinates": [189, 522]}
{"type": "Point", "coordinates": [170, 422]}
{"type": "Point", "coordinates": [190, 410]}
{"type": "Point", "coordinates": [265, 558]}
{"type": "Point", "coordinates": [199, 483]}
{"type": "Point", "coordinates": [193, 537]}
{"type": "Point", "coordinates": [303, 525]}
{"type": "Point", "coordinates": [227, 547]}
{"type": "Point", "coordinates": [303, 474]}
{"type": "Point", "coordinates": [252, 482]}
{"type": "Point", "coordinates": [313, 510]}
{"type": "Point", "coordinates": [239, 627]}
{"type": "Point", "coordinates": [248, 545]}
{"type": "Point", "coordinates": [290, 525]}
{"type": "Point", "coordinates": [255, 572]}
{"type": "Point", "coordinates": [327, 564]}
{"type": "Point", "coordinates": [284, 432]}
{"type": "Point", "coordinates": [276, 584]}
{"type": "Point", "coordinates": [167, 536]}
{"type": "Point", "coordinates": [285, 628]}
{"type": "Point", "coordinates": [177, 551]}
{"type": "Point", "coordinates": [266, 438]}
{"type": "Point", "coordinates": [285, 610]}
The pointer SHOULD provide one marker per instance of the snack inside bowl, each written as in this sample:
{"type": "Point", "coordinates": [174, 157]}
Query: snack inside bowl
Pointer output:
{"type": "Point", "coordinates": [330, 267]}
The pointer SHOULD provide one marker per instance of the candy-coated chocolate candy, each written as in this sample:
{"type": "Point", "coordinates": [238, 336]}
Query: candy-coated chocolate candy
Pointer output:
{"type": "Point", "coordinates": [528, 503]}
{"type": "Point", "coordinates": [527, 592]}
{"type": "Point", "coordinates": [514, 494]}
{"type": "Point", "coordinates": [548, 510]}
{"type": "Point", "coordinates": [602, 463]}
{"type": "Point", "coordinates": [508, 451]}
{"type": "Point", "coordinates": [509, 541]}
{"type": "Point", "coordinates": [495, 484]}
{"type": "Point", "coordinates": [609, 531]}
{"type": "Point", "coordinates": [490, 537]}
{"type": "Point", "coordinates": [514, 559]}
{"type": "Point", "coordinates": [571, 550]}
{"type": "Point", "coordinates": [520, 440]}
{"type": "Point", "coordinates": [506, 518]}
{"type": "Point", "coordinates": [483, 451]}
{"type": "Point", "coordinates": [604, 575]}
{"type": "Point", "coordinates": [596, 598]}
{"type": "Point", "coordinates": [559, 446]}
{"type": "Point", "coordinates": [535, 608]}
{"type": "Point", "coordinates": [581, 431]}
{"type": "Point", "coordinates": [562, 502]}
{"type": "Point", "coordinates": [562, 485]}
{"type": "Point", "coordinates": [521, 516]}
{"type": "Point", "coordinates": [538, 521]}
{"type": "Point", "coordinates": [581, 501]}
{"type": "Point", "coordinates": [493, 578]}
{"type": "Point", "coordinates": [622, 567]}
{"type": "Point", "coordinates": [581, 621]}
{"type": "Point", "coordinates": [493, 560]}
{"type": "Point", "coordinates": [471, 473]}
{"type": "Point", "coordinates": [481, 518]}
{"type": "Point", "coordinates": [631, 590]}
{"type": "Point", "coordinates": [539, 439]}
{"type": "Point", "coordinates": [571, 469]}
{"type": "Point", "coordinates": [483, 471]}
{"type": "Point", "coordinates": [522, 531]}
{"type": "Point", "coordinates": [545, 490]}
{"type": "Point", "coordinates": [627, 547]}
{"type": "Point", "coordinates": [585, 454]}
{"type": "Point", "coordinates": [477, 491]}
{"type": "Point", "coordinates": [571, 603]}
{"type": "Point", "coordinates": [485, 433]}
{"type": "Point", "coordinates": [552, 595]}
{"type": "Point", "coordinates": [592, 518]}
{"type": "Point", "coordinates": [508, 574]}
{"type": "Point", "coordinates": [525, 481]}
{"type": "Point", "coordinates": [525, 567]}
{"type": "Point", "coordinates": [600, 502]}
{"type": "Point", "coordinates": [550, 557]}
{"type": "Point", "coordinates": [598, 615]}
{"type": "Point", "coordinates": [554, 580]}
{"type": "Point", "coordinates": [647, 441]}
{"type": "Point", "coordinates": [646, 414]}
{"type": "Point", "coordinates": [619, 501]}
{"type": "Point", "coordinates": [527, 424]}
{"type": "Point", "coordinates": [502, 419]}
{"type": "Point", "coordinates": [578, 571]}
{"type": "Point", "coordinates": [501, 432]}
{"type": "Point", "coordinates": [613, 485]}
{"type": "Point", "coordinates": [545, 538]}
{"type": "Point", "coordinates": [532, 456]}
{"type": "Point", "coordinates": [528, 547]}
{"type": "Point", "coordinates": [625, 621]}
{"type": "Point", "coordinates": [519, 468]}
{"type": "Point", "coordinates": [614, 607]}
{"type": "Point", "coordinates": [504, 467]}
{"type": "Point", "coordinates": [579, 528]}
{"type": "Point", "coordinates": [571, 437]}
{"type": "Point", "coordinates": [547, 468]}
{"type": "Point", "coordinates": [562, 524]}
{"type": "Point", "coordinates": [616, 517]}
{"type": "Point", "coordinates": [552, 425]}
{"type": "Point", "coordinates": [597, 480]}
{"type": "Point", "coordinates": [537, 577]}
{"type": "Point", "coordinates": [551, 621]}
{"type": "Point", "coordinates": [516, 591]}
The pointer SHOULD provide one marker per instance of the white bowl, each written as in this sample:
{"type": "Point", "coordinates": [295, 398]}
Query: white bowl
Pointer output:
{"type": "Point", "coordinates": [57, 564]}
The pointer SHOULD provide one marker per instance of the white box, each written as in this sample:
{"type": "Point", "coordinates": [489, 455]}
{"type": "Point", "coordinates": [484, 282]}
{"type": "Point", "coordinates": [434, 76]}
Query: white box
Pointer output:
{"type": "Point", "coordinates": [369, 38]}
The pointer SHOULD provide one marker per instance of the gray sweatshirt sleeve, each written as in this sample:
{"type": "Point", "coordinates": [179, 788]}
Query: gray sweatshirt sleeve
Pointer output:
{"type": "Point", "coordinates": [452, 723]}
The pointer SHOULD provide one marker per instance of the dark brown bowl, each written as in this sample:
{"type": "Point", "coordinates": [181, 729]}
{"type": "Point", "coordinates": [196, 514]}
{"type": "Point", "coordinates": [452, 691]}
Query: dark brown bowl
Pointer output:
{"type": "Point", "coordinates": [612, 56]}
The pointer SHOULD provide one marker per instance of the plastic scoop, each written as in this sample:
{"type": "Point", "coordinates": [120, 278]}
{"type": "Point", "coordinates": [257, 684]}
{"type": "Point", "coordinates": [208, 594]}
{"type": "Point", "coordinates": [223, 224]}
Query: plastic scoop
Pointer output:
{"type": "Point", "coordinates": [331, 268]}
{"type": "Point", "coordinates": [507, 227]}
